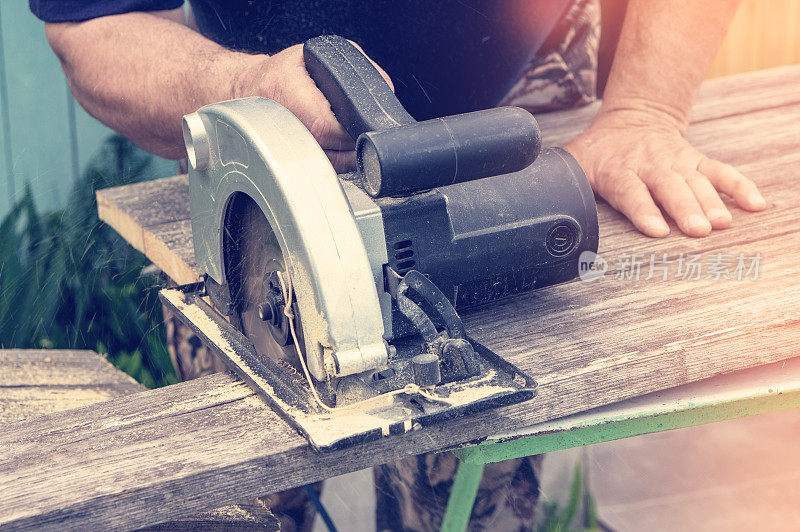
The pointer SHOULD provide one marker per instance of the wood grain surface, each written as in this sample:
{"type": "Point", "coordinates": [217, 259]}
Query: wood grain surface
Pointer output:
{"type": "Point", "coordinates": [170, 452]}
{"type": "Point", "coordinates": [34, 382]}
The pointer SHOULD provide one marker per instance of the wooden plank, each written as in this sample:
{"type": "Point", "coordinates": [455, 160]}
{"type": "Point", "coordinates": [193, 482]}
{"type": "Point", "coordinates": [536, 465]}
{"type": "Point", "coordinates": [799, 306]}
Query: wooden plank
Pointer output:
{"type": "Point", "coordinates": [171, 243]}
{"type": "Point", "coordinates": [154, 216]}
{"type": "Point", "coordinates": [745, 93]}
{"type": "Point", "coordinates": [770, 157]}
{"type": "Point", "coordinates": [130, 466]}
{"type": "Point", "coordinates": [38, 382]}
{"type": "Point", "coordinates": [168, 203]}
{"type": "Point", "coordinates": [614, 339]}
{"type": "Point", "coordinates": [589, 344]}
{"type": "Point", "coordinates": [65, 368]}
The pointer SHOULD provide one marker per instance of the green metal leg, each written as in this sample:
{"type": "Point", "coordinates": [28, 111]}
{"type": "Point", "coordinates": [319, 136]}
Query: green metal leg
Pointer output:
{"type": "Point", "coordinates": [768, 389]}
{"type": "Point", "coordinates": [462, 497]}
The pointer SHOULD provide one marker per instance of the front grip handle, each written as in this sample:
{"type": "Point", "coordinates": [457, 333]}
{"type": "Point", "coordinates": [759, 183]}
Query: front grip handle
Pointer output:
{"type": "Point", "coordinates": [360, 98]}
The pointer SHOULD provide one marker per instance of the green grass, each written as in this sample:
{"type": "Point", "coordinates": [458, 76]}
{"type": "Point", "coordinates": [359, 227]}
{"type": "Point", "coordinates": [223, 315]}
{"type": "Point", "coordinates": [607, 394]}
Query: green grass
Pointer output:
{"type": "Point", "coordinates": [577, 514]}
{"type": "Point", "coordinates": [68, 281]}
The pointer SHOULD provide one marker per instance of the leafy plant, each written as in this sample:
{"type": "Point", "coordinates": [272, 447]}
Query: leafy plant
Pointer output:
{"type": "Point", "coordinates": [578, 514]}
{"type": "Point", "coordinates": [67, 281]}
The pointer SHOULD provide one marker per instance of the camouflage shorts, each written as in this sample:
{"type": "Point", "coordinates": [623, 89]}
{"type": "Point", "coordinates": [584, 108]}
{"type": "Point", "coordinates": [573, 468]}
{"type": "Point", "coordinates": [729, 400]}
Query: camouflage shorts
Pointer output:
{"type": "Point", "coordinates": [412, 493]}
{"type": "Point", "coordinates": [564, 72]}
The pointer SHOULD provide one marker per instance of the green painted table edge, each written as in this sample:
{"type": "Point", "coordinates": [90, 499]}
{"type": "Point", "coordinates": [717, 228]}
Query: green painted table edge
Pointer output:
{"type": "Point", "coordinates": [756, 391]}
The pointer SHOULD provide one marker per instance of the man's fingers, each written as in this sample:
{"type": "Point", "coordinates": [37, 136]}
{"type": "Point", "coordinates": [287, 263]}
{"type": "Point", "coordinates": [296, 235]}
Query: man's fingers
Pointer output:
{"type": "Point", "coordinates": [707, 196]}
{"type": "Point", "coordinates": [321, 121]}
{"type": "Point", "coordinates": [342, 161]}
{"type": "Point", "coordinates": [729, 180]}
{"type": "Point", "coordinates": [670, 189]}
{"type": "Point", "coordinates": [307, 103]}
{"type": "Point", "coordinates": [301, 95]}
{"type": "Point", "coordinates": [629, 195]}
{"type": "Point", "coordinates": [329, 132]}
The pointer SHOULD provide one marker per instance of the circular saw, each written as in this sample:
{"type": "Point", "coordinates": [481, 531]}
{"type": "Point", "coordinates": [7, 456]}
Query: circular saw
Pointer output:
{"type": "Point", "coordinates": [337, 297]}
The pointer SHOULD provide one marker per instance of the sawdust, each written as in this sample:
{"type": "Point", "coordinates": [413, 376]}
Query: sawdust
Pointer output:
{"type": "Point", "coordinates": [370, 414]}
{"type": "Point", "coordinates": [21, 403]}
{"type": "Point", "coordinates": [325, 429]}
{"type": "Point", "coordinates": [215, 334]}
{"type": "Point", "coordinates": [230, 513]}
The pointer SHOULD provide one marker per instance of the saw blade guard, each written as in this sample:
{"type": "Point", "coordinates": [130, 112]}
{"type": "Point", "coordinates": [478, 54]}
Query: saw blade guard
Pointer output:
{"type": "Point", "coordinates": [256, 147]}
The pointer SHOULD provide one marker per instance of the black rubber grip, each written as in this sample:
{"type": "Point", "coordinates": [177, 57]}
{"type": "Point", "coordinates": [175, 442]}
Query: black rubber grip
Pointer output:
{"type": "Point", "coordinates": [403, 160]}
{"type": "Point", "coordinates": [359, 96]}
{"type": "Point", "coordinates": [398, 156]}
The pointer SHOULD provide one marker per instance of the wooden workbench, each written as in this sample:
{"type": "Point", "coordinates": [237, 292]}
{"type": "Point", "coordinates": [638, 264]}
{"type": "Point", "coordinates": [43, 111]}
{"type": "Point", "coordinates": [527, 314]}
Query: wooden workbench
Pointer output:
{"type": "Point", "coordinates": [188, 447]}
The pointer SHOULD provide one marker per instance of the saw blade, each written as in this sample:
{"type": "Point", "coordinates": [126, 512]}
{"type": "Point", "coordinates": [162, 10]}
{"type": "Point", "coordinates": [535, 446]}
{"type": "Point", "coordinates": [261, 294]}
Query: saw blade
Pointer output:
{"type": "Point", "coordinates": [258, 297]}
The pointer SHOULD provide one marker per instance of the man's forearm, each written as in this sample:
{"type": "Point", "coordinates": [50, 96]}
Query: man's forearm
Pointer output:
{"type": "Point", "coordinates": [139, 73]}
{"type": "Point", "coordinates": [664, 52]}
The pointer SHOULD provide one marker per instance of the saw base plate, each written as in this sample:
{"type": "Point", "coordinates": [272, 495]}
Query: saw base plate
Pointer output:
{"type": "Point", "coordinates": [390, 412]}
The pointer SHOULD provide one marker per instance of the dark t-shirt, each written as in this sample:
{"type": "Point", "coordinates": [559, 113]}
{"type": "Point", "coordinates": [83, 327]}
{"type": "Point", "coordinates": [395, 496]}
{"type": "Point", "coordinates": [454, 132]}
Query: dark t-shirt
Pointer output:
{"type": "Point", "coordinates": [444, 56]}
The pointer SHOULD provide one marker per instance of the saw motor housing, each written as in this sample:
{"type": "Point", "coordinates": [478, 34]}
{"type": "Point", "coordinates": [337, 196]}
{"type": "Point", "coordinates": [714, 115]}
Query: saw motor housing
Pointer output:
{"type": "Point", "coordinates": [440, 216]}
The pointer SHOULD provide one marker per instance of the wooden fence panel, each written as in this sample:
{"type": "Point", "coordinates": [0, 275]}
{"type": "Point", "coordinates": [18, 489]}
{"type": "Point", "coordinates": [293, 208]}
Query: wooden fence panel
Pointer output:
{"type": "Point", "coordinates": [763, 34]}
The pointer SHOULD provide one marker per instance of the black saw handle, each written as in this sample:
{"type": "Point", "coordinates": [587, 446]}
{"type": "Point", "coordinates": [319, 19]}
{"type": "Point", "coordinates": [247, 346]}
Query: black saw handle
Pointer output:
{"type": "Point", "coordinates": [359, 96]}
{"type": "Point", "coordinates": [398, 156]}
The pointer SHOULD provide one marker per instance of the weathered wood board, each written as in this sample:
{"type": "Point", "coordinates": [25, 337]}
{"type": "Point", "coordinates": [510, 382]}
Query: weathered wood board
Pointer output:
{"type": "Point", "coordinates": [35, 382]}
{"type": "Point", "coordinates": [193, 446]}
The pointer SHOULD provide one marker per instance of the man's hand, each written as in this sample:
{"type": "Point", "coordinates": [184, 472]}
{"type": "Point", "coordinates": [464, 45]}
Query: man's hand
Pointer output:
{"type": "Point", "coordinates": [139, 73]}
{"type": "Point", "coordinates": [635, 153]}
{"type": "Point", "coordinates": [284, 79]}
{"type": "Point", "coordinates": [636, 159]}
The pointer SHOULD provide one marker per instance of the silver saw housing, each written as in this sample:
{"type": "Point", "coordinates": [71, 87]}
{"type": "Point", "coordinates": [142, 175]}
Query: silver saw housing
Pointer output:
{"type": "Point", "coordinates": [332, 238]}
{"type": "Point", "coordinates": [256, 147]}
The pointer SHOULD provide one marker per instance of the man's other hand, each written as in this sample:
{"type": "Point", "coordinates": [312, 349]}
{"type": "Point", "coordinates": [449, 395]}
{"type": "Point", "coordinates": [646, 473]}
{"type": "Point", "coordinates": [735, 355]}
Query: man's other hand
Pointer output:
{"type": "Point", "coordinates": [637, 161]}
{"type": "Point", "coordinates": [284, 79]}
